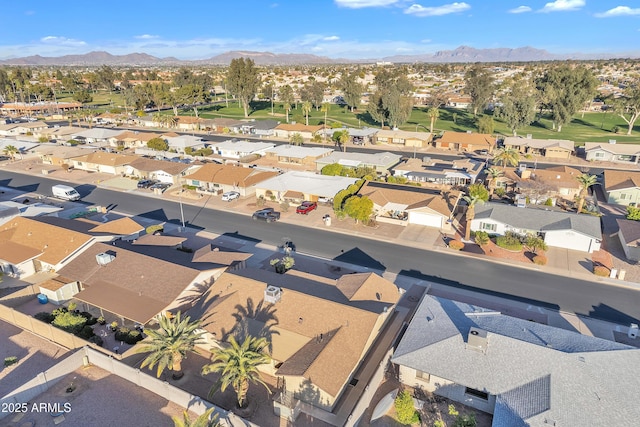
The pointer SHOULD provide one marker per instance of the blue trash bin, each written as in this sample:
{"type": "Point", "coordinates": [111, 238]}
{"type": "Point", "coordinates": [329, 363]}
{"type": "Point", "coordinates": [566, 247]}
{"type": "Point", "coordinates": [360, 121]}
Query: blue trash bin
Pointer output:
{"type": "Point", "coordinates": [43, 299]}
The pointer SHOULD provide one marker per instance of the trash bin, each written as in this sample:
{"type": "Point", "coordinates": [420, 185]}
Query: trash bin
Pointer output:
{"type": "Point", "coordinates": [43, 299]}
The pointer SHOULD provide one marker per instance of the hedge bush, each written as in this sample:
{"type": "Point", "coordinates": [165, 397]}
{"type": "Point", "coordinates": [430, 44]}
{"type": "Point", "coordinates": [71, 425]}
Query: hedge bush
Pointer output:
{"type": "Point", "coordinates": [11, 360]}
{"type": "Point", "coordinates": [405, 411]}
{"type": "Point", "coordinates": [96, 339]}
{"type": "Point", "coordinates": [153, 228]}
{"type": "Point", "coordinates": [601, 270]}
{"type": "Point", "coordinates": [128, 336]}
{"type": "Point", "coordinates": [456, 245]}
{"type": "Point", "coordinates": [86, 332]}
{"type": "Point", "coordinates": [540, 260]}
{"type": "Point", "coordinates": [70, 322]}
{"type": "Point", "coordinates": [43, 316]}
{"type": "Point", "coordinates": [509, 242]}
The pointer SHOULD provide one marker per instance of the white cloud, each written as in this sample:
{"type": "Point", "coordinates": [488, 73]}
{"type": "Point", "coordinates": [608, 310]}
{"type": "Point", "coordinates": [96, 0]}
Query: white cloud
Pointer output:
{"type": "Point", "coordinates": [331, 38]}
{"type": "Point", "coordinates": [563, 5]}
{"type": "Point", "coordinates": [147, 37]}
{"type": "Point", "coordinates": [62, 41]}
{"type": "Point", "coordinates": [520, 9]}
{"type": "Point", "coordinates": [618, 11]}
{"type": "Point", "coordinates": [445, 9]}
{"type": "Point", "coordinates": [359, 4]}
{"type": "Point", "coordinates": [425, 41]}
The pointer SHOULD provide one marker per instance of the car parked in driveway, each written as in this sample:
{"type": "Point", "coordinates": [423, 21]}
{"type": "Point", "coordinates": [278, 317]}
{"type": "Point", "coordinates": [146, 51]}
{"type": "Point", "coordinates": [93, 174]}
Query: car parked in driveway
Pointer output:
{"type": "Point", "coordinates": [146, 183]}
{"type": "Point", "coordinates": [230, 195]}
{"type": "Point", "coordinates": [267, 215]}
{"type": "Point", "coordinates": [306, 207]}
{"type": "Point", "coordinates": [162, 186]}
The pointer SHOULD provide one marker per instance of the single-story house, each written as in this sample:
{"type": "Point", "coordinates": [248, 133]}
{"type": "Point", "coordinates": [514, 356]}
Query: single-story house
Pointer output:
{"type": "Point", "coordinates": [236, 150]}
{"type": "Point", "coordinates": [59, 154]}
{"type": "Point", "coordinates": [97, 136]}
{"type": "Point", "coordinates": [10, 209]}
{"type": "Point", "coordinates": [100, 161]}
{"type": "Point", "coordinates": [14, 129]}
{"type": "Point", "coordinates": [161, 170]}
{"type": "Point", "coordinates": [463, 141]}
{"type": "Point", "coordinates": [138, 283]}
{"type": "Point", "coordinates": [218, 179]}
{"type": "Point", "coordinates": [579, 232]}
{"type": "Point", "coordinates": [611, 152]}
{"type": "Point", "coordinates": [22, 146]}
{"type": "Point", "coordinates": [306, 156]}
{"type": "Point", "coordinates": [60, 134]}
{"type": "Point", "coordinates": [188, 123]}
{"type": "Point", "coordinates": [408, 204]}
{"type": "Point", "coordinates": [297, 186]}
{"type": "Point", "coordinates": [629, 235]}
{"type": "Point", "coordinates": [107, 118]}
{"type": "Point", "coordinates": [28, 246]}
{"type": "Point", "coordinates": [261, 127]}
{"type": "Point", "coordinates": [318, 330]}
{"type": "Point", "coordinates": [524, 373]}
{"type": "Point", "coordinates": [403, 137]}
{"type": "Point", "coordinates": [182, 142]}
{"type": "Point", "coordinates": [286, 130]}
{"type": "Point", "coordinates": [622, 187]}
{"type": "Point", "coordinates": [459, 102]}
{"type": "Point", "coordinates": [224, 125]}
{"type": "Point", "coordinates": [444, 172]}
{"type": "Point", "coordinates": [134, 139]}
{"type": "Point", "coordinates": [356, 136]}
{"type": "Point", "coordinates": [558, 182]}
{"type": "Point", "coordinates": [550, 148]}
{"type": "Point", "coordinates": [380, 161]}
{"type": "Point", "coordinates": [148, 121]}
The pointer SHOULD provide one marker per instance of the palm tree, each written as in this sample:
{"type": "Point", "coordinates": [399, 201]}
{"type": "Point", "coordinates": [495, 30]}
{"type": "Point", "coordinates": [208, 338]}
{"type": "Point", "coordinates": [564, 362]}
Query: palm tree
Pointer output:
{"type": "Point", "coordinates": [325, 109]}
{"type": "Point", "coordinates": [433, 114]}
{"type": "Point", "coordinates": [585, 181]}
{"type": "Point", "coordinates": [11, 151]}
{"type": "Point", "coordinates": [204, 420]}
{"type": "Point", "coordinates": [493, 174]}
{"type": "Point", "coordinates": [306, 109]}
{"type": "Point", "coordinates": [159, 119]}
{"type": "Point", "coordinates": [343, 139]}
{"type": "Point", "coordinates": [238, 366]}
{"type": "Point", "coordinates": [169, 344]}
{"type": "Point", "coordinates": [287, 108]}
{"type": "Point", "coordinates": [507, 156]}
{"type": "Point", "coordinates": [472, 201]}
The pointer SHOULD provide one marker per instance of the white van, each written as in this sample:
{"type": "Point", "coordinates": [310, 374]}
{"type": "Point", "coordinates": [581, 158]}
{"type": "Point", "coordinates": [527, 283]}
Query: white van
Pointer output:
{"type": "Point", "coordinates": [65, 192]}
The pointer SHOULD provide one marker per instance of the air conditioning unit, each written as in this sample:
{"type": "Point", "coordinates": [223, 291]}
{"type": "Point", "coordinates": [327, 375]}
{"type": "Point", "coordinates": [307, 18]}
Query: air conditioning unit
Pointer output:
{"type": "Point", "coordinates": [272, 294]}
{"type": "Point", "coordinates": [477, 340]}
{"type": "Point", "coordinates": [104, 258]}
{"type": "Point", "coordinates": [633, 331]}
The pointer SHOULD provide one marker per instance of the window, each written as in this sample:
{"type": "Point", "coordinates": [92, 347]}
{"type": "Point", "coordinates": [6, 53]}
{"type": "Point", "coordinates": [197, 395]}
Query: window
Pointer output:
{"type": "Point", "coordinates": [485, 226]}
{"type": "Point", "coordinates": [623, 196]}
{"type": "Point", "coordinates": [476, 393]}
{"type": "Point", "coordinates": [423, 376]}
{"type": "Point", "coordinates": [599, 154]}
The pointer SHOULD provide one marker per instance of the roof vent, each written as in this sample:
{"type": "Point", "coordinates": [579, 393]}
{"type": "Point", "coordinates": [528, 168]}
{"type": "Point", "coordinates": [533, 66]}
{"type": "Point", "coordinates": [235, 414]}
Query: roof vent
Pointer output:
{"type": "Point", "coordinates": [104, 258]}
{"type": "Point", "coordinates": [272, 294]}
{"type": "Point", "coordinates": [477, 340]}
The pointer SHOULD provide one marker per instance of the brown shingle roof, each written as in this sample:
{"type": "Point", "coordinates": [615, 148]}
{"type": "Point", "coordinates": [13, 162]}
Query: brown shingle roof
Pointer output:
{"type": "Point", "coordinates": [630, 231]}
{"type": "Point", "coordinates": [123, 226]}
{"type": "Point", "coordinates": [620, 179]}
{"type": "Point", "coordinates": [107, 159]}
{"type": "Point", "coordinates": [468, 138]}
{"type": "Point", "coordinates": [219, 256]}
{"type": "Point", "coordinates": [413, 197]}
{"type": "Point", "coordinates": [298, 127]}
{"type": "Point", "coordinates": [230, 175]}
{"type": "Point", "coordinates": [159, 240]}
{"type": "Point", "coordinates": [52, 242]}
{"type": "Point", "coordinates": [152, 165]}
{"type": "Point", "coordinates": [55, 283]}
{"type": "Point", "coordinates": [136, 136]}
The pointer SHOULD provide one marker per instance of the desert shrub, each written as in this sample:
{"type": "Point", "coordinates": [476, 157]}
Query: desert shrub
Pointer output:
{"type": "Point", "coordinates": [456, 245]}
{"type": "Point", "coordinates": [153, 228]}
{"type": "Point", "coordinates": [122, 333]}
{"type": "Point", "coordinates": [11, 360]}
{"type": "Point", "coordinates": [540, 260]}
{"type": "Point", "coordinates": [468, 420]}
{"type": "Point", "coordinates": [96, 339]}
{"type": "Point", "coordinates": [284, 206]}
{"type": "Point", "coordinates": [43, 316]}
{"type": "Point", "coordinates": [90, 319]}
{"type": "Point", "coordinates": [509, 241]}
{"type": "Point", "coordinates": [260, 201]}
{"type": "Point", "coordinates": [500, 192]}
{"type": "Point", "coordinates": [133, 337]}
{"type": "Point", "coordinates": [601, 270]}
{"type": "Point", "coordinates": [70, 322]}
{"type": "Point", "coordinates": [548, 202]}
{"type": "Point", "coordinates": [481, 238]}
{"type": "Point", "coordinates": [405, 411]}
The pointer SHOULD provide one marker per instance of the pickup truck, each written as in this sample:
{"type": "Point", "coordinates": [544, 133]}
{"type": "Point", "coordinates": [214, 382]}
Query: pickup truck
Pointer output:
{"type": "Point", "coordinates": [306, 207]}
{"type": "Point", "coordinates": [267, 215]}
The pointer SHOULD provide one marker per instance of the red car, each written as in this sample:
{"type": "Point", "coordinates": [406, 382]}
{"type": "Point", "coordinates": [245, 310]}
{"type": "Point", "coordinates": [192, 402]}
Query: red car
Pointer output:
{"type": "Point", "coordinates": [306, 207]}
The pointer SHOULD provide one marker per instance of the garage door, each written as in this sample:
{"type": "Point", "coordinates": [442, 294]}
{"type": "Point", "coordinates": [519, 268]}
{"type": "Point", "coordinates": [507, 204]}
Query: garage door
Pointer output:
{"type": "Point", "coordinates": [425, 219]}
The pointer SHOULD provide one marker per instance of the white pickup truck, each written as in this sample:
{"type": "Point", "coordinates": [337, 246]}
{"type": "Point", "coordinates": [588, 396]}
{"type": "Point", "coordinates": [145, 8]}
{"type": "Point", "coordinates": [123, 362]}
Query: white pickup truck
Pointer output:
{"type": "Point", "coordinates": [65, 192]}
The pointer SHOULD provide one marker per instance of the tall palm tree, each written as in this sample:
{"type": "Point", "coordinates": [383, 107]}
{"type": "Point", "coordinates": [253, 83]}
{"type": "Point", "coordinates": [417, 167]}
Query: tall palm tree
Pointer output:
{"type": "Point", "coordinates": [343, 139]}
{"type": "Point", "coordinates": [306, 109]}
{"type": "Point", "coordinates": [169, 344]}
{"type": "Point", "coordinates": [204, 420]}
{"type": "Point", "coordinates": [507, 157]}
{"type": "Point", "coordinates": [238, 366]}
{"type": "Point", "coordinates": [585, 181]}
{"type": "Point", "coordinates": [493, 174]}
{"type": "Point", "coordinates": [472, 201]}
{"type": "Point", "coordinates": [11, 151]}
{"type": "Point", "coordinates": [287, 108]}
{"type": "Point", "coordinates": [433, 114]}
{"type": "Point", "coordinates": [159, 119]}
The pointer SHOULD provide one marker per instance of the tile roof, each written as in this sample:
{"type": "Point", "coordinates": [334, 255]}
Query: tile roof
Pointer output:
{"type": "Point", "coordinates": [468, 138]}
{"type": "Point", "coordinates": [53, 243]}
{"type": "Point", "coordinates": [321, 339]}
{"type": "Point", "coordinates": [537, 372]}
{"type": "Point", "coordinates": [230, 175]}
{"type": "Point", "coordinates": [620, 179]}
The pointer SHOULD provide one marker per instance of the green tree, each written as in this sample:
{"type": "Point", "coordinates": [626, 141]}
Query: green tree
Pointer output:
{"type": "Point", "coordinates": [243, 81]}
{"type": "Point", "coordinates": [287, 97]}
{"type": "Point", "coordinates": [481, 238]}
{"type": "Point", "coordinates": [507, 157]}
{"type": "Point", "coordinates": [472, 201]}
{"type": "Point", "coordinates": [633, 213]}
{"type": "Point", "coordinates": [313, 92]}
{"type": "Point", "coordinates": [158, 144]}
{"type": "Point", "coordinates": [351, 89]}
{"type": "Point", "coordinates": [479, 84]}
{"type": "Point", "coordinates": [628, 105]}
{"type": "Point", "coordinates": [341, 137]}
{"type": "Point", "coordinates": [405, 409]}
{"type": "Point", "coordinates": [433, 113]}
{"type": "Point", "coordinates": [334, 169]}
{"type": "Point", "coordinates": [306, 109]}
{"type": "Point", "coordinates": [204, 420]}
{"type": "Point", "coordinates": [169, 344]}
{"type": "Point", "coordinates": [535, 244]}
{"type": "Point", "coordinates": [392, 100]}
{"type": "Point", "coordinates": [11, 151]}
{"type": "Point", "coordinates": [296, 139]}
{"type": "Point", "coordinates": [493, 174]}
{"type": "Point", "coordinates": [238, 366]}
{"type": "Point", "coordinates": [82, 96]}
{"type": "Point", "coordinates": [585, 181]}
{"type": "Point", "coordinates": [376, 109]}
{"type": "Point", "coordinates": [566, 89]}
{"type": "Point", "coordinates": [359, 208]}
{"type": "Point", "coordinates": [518, 107]}
{"type": "Point", "coordinates": [478, 190]}
{"type": "Point", "coordinates": [485, 124]}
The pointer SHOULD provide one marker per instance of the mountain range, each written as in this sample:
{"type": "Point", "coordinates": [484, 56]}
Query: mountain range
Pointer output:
{"type": "Point", "coordinates": [460, 54]}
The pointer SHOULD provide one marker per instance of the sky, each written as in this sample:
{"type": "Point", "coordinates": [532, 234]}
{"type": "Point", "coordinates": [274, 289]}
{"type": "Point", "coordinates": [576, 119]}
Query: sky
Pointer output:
{"type": "Point", "coordinates": [353, 29]}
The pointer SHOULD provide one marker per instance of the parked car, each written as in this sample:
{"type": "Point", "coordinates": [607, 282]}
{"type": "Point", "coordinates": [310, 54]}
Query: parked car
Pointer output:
{"type": "Point", "coordinates": [267, 215]}
{"type": "Point", "coordinates": [230, 195]}
{"type": "Point", "coordinates": [146, 183]}
{"type": "Point", "coordinates": [306, 207]}
{"type": "Point", "coordinates": [162, 186]}
{"type": "Point", "coordinates": [325, 200]}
